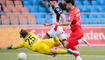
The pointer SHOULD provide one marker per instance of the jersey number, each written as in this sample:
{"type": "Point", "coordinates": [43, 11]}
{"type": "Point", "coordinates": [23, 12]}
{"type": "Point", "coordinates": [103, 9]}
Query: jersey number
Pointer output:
{"type": "Point", "coordinates": [30, 40]}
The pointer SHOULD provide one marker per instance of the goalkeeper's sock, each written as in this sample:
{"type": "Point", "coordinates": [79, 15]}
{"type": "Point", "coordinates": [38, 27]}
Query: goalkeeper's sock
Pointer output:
{"type": "Point", "coordinates": [72, 52]}
{"type": "Point", "coordinates": [61, 51]}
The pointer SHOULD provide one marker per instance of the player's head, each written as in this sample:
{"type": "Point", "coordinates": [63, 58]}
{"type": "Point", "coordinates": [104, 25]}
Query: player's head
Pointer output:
{"type": "Point", "coordinates": [53, 3]}
{"type": "Point", "coordinates": [70, 3]}
{"type": "Point", "coordinates": [23, 33]}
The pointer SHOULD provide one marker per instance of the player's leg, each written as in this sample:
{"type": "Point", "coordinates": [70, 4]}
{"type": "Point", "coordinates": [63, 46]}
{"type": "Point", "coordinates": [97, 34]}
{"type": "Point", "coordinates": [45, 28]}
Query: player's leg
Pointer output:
{"type": "Point", "coordinates": [71, 45]}
{"type": "Point", "coordinates": [81, 41]}
{"type": "Point", "coordinates": [46, 36]}
{"type": "Point", "coordinates": [58, 50]}
{"type": "Point", "coordinates": [73, 41]}
{"type": "Point", "coordinates": [49, 33]}
{"type": "Point", "coordinates": [44, 49]}
{"type": "Point", "coordinates": [63, 51]}
{"type": "Point", "coordinates": [77, 56]}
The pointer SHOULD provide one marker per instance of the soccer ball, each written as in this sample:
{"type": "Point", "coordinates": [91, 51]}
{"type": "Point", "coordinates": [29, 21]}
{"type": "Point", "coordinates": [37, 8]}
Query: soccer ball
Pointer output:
{"type": "Point", "coordinates": [22, 56]}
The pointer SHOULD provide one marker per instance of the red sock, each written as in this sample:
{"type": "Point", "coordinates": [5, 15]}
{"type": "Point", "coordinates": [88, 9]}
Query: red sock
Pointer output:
{"type": "Point", "coordinates": [73, 48]}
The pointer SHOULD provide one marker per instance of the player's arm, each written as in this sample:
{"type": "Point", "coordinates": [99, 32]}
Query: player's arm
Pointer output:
{"type": "Point", "coordinates": [60, 12]}
{"type": "Point", "coordinates": [56, 40]}
{"type": "Point", "coordinates": [47, 24]}
{"type": "Point", "coordinates": [15, 47]}
{"type": "Point", "coordinates": [63, 24]}
{"type": "Point", "coordinates": [63, 17]}
{"type": "Point", "coordinates": [70, 19]}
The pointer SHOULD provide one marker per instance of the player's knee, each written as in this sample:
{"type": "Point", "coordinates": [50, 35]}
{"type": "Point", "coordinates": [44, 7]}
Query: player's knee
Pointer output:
{"type": "Point", "coordinates": [53, 50]}
{"type": "Point", "coordinates": [65, 43]}
{"type": "Point", "coordinates": [46, 37]}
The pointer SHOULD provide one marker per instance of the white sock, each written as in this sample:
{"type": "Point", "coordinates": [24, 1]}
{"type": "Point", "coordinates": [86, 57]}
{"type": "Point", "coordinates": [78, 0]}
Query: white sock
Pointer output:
{"type": "Point", "coordinates": [80, 41]}
{"type": "Point", "coordinates": [78, 58]}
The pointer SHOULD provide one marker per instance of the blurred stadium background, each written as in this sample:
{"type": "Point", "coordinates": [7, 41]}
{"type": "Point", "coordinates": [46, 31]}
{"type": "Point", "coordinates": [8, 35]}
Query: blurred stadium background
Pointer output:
{"type": "Point", "coordinates": [31, 14]}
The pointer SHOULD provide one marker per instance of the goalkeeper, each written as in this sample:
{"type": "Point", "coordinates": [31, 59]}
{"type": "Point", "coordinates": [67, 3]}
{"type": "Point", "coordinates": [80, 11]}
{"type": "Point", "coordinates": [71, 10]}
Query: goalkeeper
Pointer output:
{"type": "Point", "coordinates": [46, 46]}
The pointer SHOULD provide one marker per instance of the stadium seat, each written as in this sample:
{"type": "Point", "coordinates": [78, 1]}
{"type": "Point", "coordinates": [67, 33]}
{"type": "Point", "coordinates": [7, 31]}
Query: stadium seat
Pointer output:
{"type": "Point", "coordinates": [80, 7]}
{"type": "Point", "coordinates": [26, 3]}
{"type": "Point", "coordinates": [92, 16]}
{"type": "Point", "coordinates": [31, 19]}
{"type": "Point", "coordinates": [16, 10]}
{"type": "Point", "coordinates": [23, 19]}
{"type": "Point", "coordinates": [42, 9]}
{"type": "Point", "coordinates": [94, 2]}
{"type": "Point", "coordinates": [86, 8]}
{"type": "Point", "coordinates": [8, 2]}
{"type": "Point", "coordinates": [40, 21]}
{"type": "Point", "coordinates": [17, 2]}
{"type": "Point", "coordinates": [40, 16]}
{"type": "Point", "coordinates": [84, 21]}
{"type": "Point", "coordinates": [93, 21]}
{"type": "Point", "coordinates": [86, 2]}
{"type": "Point", "coordinates": [3, 2]}
{"type": "Point", "coordinates": [49, 21]}
{"type": "Point", "coordinates": [5, 20]}
{"type": "Point", "coordinates": [83, 16]}
{"type": "Point", "coordinates": [8, 8]}
{"type": "Point", "coordinates": [100, 16]}
{"type": "Point", "coordinates": [33, 9]}
{"type": "Point", "coordinates": [35, 2]}
{"type": "Point", "coordinates": [101, 2]}
{"type": "Point", "coordinates": [14, 19]}
{"type": "Point", "coordinates": [101, 21]}
{"type": "Point", "coordinates": [24, 9]}
{"type": "Point", "coordinates": [94, 8]}
{"type": "Point", "coordinates": [0, 22]}
{"type": "Point", "coordinates": [78, 2]}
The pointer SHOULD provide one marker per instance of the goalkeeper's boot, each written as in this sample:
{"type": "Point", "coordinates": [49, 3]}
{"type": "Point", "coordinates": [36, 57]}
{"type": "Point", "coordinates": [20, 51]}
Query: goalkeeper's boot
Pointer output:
{"type": "Point", "coordinates": [72, 52]}
{"type": "Point", "coordinates": [78, 58]}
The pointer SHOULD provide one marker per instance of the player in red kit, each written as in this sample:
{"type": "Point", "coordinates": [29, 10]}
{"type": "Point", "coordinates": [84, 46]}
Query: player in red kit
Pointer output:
{"type": "Point", "coordinates": [75, 23]}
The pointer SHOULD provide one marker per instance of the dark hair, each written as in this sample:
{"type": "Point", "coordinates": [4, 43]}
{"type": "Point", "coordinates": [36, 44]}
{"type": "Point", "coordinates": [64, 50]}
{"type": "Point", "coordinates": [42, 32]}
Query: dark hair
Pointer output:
{"type": "Point", "coordinates": [23, 33]}
{"type": "Point", "coordinates": [70, 1]}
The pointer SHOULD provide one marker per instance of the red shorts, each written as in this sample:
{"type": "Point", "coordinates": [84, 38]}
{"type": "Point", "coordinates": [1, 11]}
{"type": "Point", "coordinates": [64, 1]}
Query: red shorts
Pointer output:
{"type": "Point", "coordinates": [74, 37]}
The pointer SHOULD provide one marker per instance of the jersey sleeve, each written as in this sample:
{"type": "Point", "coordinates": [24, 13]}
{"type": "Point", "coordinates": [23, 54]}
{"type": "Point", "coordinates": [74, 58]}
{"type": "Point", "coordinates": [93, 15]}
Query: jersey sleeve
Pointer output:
{"type": "Point", "coordinates": [18, 46]}
{"type": "Point", "coordinates": [71, 17]}
{"type": "Point", "coordinates": [59, 10]}
{"type": "Point", "coordinates": [56, 40]}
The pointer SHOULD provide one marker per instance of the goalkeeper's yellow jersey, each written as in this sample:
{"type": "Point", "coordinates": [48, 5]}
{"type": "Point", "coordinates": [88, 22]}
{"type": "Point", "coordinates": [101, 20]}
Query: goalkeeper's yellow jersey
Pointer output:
{"type": "Point", "coordinates": [34, 43]}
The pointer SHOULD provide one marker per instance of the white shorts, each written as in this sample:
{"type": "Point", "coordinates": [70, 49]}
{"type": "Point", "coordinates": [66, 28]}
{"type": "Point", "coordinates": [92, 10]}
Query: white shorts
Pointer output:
{"type": "Point", "coordinates": [59, 33]}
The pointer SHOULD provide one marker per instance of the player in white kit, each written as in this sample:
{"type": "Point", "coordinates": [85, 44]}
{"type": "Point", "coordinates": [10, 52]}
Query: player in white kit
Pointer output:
{"type": "Point", "coordinates": [56, 30]}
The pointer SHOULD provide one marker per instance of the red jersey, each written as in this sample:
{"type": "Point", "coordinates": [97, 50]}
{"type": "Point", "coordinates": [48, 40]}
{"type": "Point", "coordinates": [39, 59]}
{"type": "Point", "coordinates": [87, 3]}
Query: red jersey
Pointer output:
{"type": "Point", "coordinates": [74, 18]}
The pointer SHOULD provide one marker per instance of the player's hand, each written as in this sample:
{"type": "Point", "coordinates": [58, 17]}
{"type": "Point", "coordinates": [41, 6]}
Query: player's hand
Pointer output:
{"type": "Point", "coordinates": [53, 36]}
{"type": "Point", "coordinates": [10, 47]}
{"type": "Point", "coordinates": [56, 23]}
{"type": "Point", "coordinates": [45, 24]}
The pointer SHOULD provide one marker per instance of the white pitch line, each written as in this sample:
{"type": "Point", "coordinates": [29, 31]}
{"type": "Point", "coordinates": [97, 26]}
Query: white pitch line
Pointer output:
{"type": "Point", "coordinates": [62, 55]}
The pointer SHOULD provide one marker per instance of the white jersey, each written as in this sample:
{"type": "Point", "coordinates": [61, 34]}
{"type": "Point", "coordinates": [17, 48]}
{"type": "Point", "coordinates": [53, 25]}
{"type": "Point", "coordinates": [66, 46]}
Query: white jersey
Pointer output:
{"type": "Point", "coordinates": [57, 30]}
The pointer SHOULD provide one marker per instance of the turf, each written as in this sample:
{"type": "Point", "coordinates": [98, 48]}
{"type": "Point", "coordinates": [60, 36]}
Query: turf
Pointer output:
{"type": "Point", "coordinates": [90, 53]}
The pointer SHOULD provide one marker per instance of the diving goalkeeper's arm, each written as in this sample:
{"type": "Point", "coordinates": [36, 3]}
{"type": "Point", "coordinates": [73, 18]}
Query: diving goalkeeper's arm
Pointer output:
{"type": "Point", "coordinates": [56, 40]}
{"type": "Point", "coordinates": [15, 47]}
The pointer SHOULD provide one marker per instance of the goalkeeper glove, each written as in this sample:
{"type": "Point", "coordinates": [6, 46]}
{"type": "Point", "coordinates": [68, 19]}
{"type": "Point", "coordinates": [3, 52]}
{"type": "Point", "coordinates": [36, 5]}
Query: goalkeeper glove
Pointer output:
{"type": "Point", "coordinates": [53, 36]}
{"type": "Point", "coordinates": [10, 47]}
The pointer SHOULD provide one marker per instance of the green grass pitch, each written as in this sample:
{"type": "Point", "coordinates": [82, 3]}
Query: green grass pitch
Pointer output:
{"type": "Point", "coordinates": [87, 53]}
